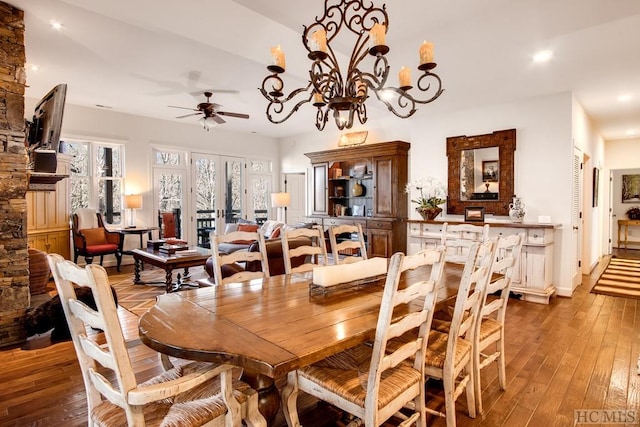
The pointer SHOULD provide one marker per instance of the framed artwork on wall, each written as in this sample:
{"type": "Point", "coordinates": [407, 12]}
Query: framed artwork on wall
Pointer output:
{"type": "Point", "coordinates": [596, 185]}
{"type": "Point", "coordinates": [474, 213]}
{"type": "Point", "coordinates": [631, 188]}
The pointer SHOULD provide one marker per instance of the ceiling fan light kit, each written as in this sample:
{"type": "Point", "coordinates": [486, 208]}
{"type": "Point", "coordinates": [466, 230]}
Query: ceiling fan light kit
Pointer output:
{"type": "Point", "coordinates": [344, 95]}
{"type": "Point", "coordinates": [211, 113]}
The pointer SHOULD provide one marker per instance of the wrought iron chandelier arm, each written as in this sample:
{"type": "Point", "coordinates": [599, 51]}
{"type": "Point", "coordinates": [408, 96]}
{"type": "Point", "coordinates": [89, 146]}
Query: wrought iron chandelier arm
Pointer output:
{"type": "Point", "coordinates": [424, 85]}
{"type": "Point", "coordinates": [276, 104]}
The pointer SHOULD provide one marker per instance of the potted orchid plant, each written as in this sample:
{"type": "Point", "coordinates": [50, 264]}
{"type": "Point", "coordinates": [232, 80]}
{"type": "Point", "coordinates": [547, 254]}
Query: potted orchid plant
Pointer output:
{"type": "Point", "coordinates": [431, 193]}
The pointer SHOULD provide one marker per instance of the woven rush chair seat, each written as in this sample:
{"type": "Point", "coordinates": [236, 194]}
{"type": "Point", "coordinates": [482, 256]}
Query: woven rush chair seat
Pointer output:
{"type": "Point", "coordinates": [437, 349]}
{"type": "Point", "coordinates": [346, 375]}
{"type": "Point", "coordinates": [194, 407]}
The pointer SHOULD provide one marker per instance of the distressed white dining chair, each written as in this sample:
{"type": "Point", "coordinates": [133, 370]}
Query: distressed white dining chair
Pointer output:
{"type": "Point", "coordinates": [315, 251]}
{"type": "Point", "coordinates": [489, 329]}
{"type": "Point", "coordinates": [193, 394]}
{"type": "Point", "coordinates": [457, 238]}
{"type": "Point", "coordinates": [375, 382]}
{"type": "Point", "coordinates": [449, 355]}
{"type": "Point", "coordinates": [228, 268]}
{"type": "Point", "coordinates": [340, 244]}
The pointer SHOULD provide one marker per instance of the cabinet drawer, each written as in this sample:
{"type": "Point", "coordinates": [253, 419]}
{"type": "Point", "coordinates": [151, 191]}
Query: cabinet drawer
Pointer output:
{"type": "Point", "coordinates": [539, 236]}
{"type": "Point", "coordinates": [380, 225]}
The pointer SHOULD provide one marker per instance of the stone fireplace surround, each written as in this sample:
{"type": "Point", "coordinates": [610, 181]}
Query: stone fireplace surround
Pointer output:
{"type": "Point", "coordinates": [14, 259]}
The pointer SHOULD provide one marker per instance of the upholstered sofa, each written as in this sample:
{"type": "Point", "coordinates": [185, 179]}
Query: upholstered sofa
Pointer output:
{"type": "Point", "coordinates": [274, 252]}
{"type": "Point", "coordinates": [274, 255]}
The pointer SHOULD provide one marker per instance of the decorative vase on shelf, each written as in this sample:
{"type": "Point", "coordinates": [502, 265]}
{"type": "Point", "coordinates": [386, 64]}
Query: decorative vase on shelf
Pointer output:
{"type": "Point", "coordinates": [357, 190]}
{"type": "Point", "coordinates": [427, 213]}
{"type": "Point", "coordinates": [516, 210]}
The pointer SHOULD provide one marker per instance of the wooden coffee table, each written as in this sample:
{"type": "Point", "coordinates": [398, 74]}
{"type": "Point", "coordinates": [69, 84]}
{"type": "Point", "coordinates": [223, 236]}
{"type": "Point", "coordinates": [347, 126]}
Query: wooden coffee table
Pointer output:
{"type": "Point", "coordinates": [168, 263]}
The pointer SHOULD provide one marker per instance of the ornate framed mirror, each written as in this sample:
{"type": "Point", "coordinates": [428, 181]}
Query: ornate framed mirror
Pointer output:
{"type": "Point", "coordinates": [481, 172]}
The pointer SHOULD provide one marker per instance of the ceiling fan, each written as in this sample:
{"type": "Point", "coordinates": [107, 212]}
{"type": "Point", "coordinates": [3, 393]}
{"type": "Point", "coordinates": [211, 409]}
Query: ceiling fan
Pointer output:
{"type": "Point", "coordinates": [210, 112]}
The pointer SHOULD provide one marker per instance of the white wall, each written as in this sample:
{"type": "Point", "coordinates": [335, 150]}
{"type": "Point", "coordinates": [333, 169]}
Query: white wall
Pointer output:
{"type": "Point", "coordinates": [591, 143]}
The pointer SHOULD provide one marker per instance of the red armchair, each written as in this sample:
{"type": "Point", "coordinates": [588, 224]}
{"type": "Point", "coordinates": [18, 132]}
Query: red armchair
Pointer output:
{"type": "Point", "coordinates": [91, 238]}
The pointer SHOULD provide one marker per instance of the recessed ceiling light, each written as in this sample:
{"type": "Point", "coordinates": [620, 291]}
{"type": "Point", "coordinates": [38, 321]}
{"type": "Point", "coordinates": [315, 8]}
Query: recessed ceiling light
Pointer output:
{"type": "Point", "coordinates": [34, 67]}
{"type": "Point", "coordinates": [543, 56]}
{"type": "Point", "coordinates": [56, 25]}
{"type": "Point", "coordinates": [631, 132]}
{"type": "Point", "coordinates": [624, 98]}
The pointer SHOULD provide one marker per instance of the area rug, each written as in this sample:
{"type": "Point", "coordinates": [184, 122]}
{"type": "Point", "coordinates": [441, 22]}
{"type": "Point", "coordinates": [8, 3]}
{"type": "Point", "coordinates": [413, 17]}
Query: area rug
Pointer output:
{"type": "Point", "coordinates": [621, 278]}
{"type": "Point", "coordinates": [139, 298]}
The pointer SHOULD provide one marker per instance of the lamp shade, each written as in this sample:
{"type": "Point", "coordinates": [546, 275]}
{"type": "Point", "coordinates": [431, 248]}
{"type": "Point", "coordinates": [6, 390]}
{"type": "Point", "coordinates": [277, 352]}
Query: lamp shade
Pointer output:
{"type": "Point", "coordinates": [280, 200]}
{"type": "Point", "coordinates": [133, 201]}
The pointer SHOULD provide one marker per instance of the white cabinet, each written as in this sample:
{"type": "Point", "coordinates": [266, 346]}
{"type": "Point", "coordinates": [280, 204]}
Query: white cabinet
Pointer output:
{"type": "Point", "coordinates": [534, 275]}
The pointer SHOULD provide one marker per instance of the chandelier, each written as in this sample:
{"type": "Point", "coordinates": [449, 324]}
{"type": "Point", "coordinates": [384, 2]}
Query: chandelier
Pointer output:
{"type": "Point", "coordinates": [344, 95]}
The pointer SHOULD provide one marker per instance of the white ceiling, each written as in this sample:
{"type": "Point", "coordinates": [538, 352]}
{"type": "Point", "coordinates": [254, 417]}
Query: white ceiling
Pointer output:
{"type": "Point", "coordinates": [140, 56]}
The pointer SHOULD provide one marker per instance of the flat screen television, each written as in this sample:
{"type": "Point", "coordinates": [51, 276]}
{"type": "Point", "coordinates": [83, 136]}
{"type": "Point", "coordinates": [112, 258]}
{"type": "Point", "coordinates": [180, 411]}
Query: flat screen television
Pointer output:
{"type": "Point", "coordinates": [43, 132]}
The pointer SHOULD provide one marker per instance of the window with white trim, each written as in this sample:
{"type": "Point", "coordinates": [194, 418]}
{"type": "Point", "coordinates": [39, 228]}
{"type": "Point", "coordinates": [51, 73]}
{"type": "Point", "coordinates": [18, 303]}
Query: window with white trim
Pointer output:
{"type": "Point", "coordinates": [97, 178]}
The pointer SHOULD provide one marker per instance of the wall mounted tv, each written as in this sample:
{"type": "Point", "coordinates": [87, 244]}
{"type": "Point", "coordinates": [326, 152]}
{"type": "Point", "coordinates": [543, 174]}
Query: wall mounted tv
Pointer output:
{"type": "Point", "coordinates": [43, 132]}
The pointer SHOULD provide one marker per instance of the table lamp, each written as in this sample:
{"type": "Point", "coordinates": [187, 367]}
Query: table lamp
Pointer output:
{"type": "Point", "coordinates": [281, 201]}
{"type": "Point", "coordinates": [132, 202]}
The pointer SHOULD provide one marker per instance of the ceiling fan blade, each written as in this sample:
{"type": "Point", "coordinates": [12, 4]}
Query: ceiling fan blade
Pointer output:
{"type": "Point", "coordinates": [238, 115]}
{"type": "Point", "coordinates": [184, 108]}
{"type": "Point", "coordinates": [218, 119]}
{"type": "Point", "coordinates": [188, 115]}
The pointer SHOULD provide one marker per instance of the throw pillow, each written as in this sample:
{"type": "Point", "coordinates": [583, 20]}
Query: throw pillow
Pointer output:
{"type": "Point", "coordinates": [248, 227]}
{"type": "Point", "coordinates": [275, 233]}
{"type": "Point", "coordinates": [94, 236]}
{"type": "Point", "coordinates": [252, 228]}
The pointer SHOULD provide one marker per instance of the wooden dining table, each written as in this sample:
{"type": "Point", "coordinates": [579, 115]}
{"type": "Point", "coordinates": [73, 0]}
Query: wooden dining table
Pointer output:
{"type": "Point", "coordinates": [270, 326]}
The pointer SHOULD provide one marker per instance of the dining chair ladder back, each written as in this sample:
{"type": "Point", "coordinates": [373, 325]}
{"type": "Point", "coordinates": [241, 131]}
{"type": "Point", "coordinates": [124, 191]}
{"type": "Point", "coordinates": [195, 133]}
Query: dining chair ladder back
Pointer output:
{"type": "Point", "coordinates": [457, 238]}
{"type": "Point", "coordinates": [489, 328]}
{"type": "Point", "coordinates": [191, 394]}
{"type": "Point", "coordinates": [374, 382]}
{"type": "Point", "coordinates": [315, 250]}
{"type": "Point", "coordinates": [235, 263]}
{"type": "Point", "coordinates": [449, 356]}
{"type": "Point", "coordinates": [355, 242]}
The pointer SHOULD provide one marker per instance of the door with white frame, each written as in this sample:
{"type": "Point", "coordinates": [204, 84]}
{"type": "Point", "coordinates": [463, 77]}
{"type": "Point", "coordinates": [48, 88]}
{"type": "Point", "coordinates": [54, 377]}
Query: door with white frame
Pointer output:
{"type": "Point", "coordinates": [296, 185]}
{"type": "Point", "coordinates": [217, 194]}
{"type": "Point", "coordinates": [576, 218]}
{"type": "Point", "coordinates": [170, 185]}
{"type": "Point", "coordinates": [259, 189]}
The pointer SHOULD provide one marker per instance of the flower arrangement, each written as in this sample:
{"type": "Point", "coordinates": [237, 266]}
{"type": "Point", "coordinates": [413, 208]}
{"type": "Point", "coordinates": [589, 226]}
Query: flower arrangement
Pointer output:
{"type": "Point", "coordinates": [432, 192]}
{"type": "Point", "coordinates": [633, 212]}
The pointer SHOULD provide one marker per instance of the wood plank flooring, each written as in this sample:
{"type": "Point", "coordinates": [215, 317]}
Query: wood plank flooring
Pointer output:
{"type": "Point", "coordinates": [575, 353]}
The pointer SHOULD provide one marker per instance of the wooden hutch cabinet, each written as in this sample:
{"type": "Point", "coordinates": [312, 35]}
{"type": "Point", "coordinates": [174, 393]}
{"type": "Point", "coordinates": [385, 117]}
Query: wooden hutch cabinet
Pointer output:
{"type": "Point", "coordinates": [364, 185]}
{"type": "Point", "coordinates": [48, 213]}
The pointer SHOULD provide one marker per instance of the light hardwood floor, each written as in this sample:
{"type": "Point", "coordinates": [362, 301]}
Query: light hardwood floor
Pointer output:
{"type": "Point", "coordinates": [574, 353]}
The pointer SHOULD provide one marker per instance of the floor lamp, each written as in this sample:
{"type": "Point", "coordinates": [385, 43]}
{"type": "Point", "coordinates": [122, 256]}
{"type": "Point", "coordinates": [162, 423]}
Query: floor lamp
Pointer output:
{"type": "Point", "coordinates": [281, 201]}
{"type": "Point", "coordinates": [132, 202]}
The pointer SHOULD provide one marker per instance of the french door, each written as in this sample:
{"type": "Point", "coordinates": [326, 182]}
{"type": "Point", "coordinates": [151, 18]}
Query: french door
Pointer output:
{"type": "Point", "coordinates": [170, 185]}
{"type": "Point", "coordinates": [217, 195]}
